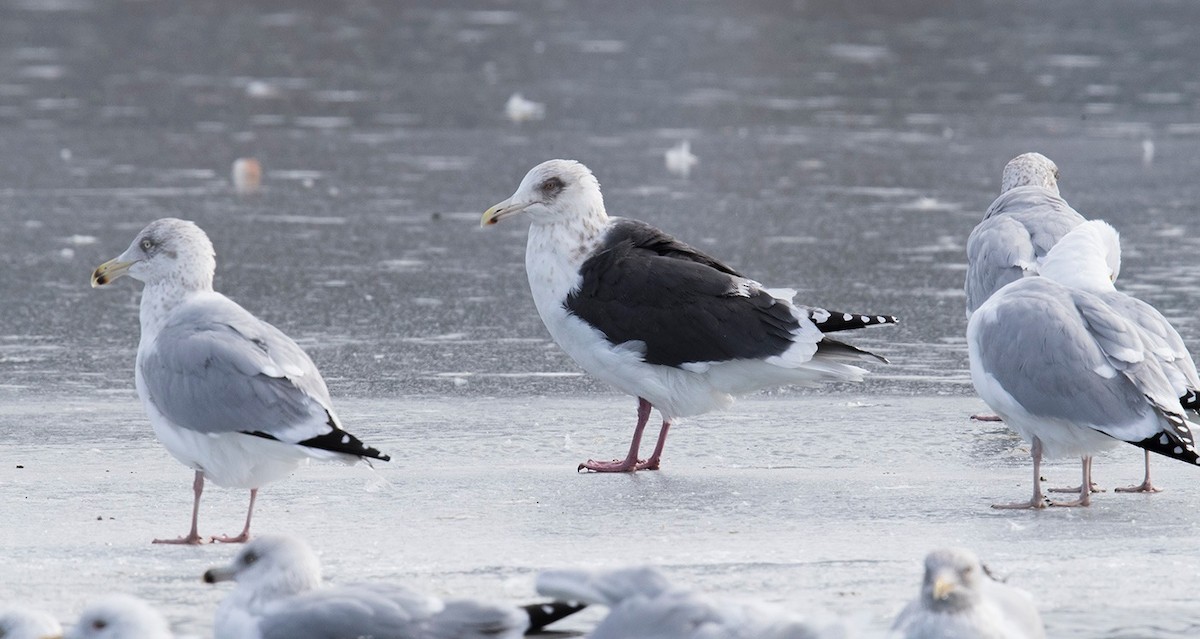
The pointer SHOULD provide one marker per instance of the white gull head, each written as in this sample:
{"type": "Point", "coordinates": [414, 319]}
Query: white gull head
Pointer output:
{"type": "Point", "coordinates": [21, 623]}
{"type": "Point", "coordinates": [120, 617]}
{"type": "Point", "coordinates": [1088, 258]}
{"type": "Point", "coordinates": [167, 250]}
{"type": "Point", "coordinates": [953, 577]}
{"type": "Point", "coordinates": [1030, 169]}
{"type": "Point", "coordinates": [554, 192]}
{"type": "Point", "coordinates": [270, 567]}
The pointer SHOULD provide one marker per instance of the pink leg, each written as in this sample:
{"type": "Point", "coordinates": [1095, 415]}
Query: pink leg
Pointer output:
{"type": "Point", "coordinates": [630, 463]}
{"type": "Point", "coordinates": [652, 463]}
{"type": "Point", "coordinates": [986, 417]}
{"type": "Point", "coordinates": [1085, 492]}
{"type": "Point", "coordinates": [1145, 487]}
{"type": "Point", "coordinates": [1038, 500]}
{"type": "Point", "coordinates": [193, 537]}
{"type": "Point", "coordinates": [1075, 489]}
{"type": "Point", "coordinates": [245, 535]}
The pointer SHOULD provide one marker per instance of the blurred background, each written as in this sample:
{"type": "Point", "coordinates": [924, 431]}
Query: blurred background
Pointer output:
{"type": "Point", "coordinates": [845, 148]}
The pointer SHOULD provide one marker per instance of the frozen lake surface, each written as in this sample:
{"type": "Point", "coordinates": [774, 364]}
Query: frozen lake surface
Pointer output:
{"type": "Point", "coordinates": [823, 503]}
{"type": "Point", "coordinates": [846, 150]}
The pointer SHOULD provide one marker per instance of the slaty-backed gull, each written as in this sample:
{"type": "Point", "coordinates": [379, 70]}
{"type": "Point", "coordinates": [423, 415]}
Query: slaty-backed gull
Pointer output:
{"type": "Point", "coordinates": [1075, 367]}
{"type": "Point", "coordinates": [228, 394]}
{"type": "Point", "coordinates": [658, 319]}
{"type": "Point", "coordinates": [961, 600]}
{"type": "Point", "coordinates": [279, 595]}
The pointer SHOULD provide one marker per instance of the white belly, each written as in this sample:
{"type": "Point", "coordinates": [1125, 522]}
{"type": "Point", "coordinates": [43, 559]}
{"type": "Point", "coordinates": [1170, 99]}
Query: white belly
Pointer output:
{"type": "Point", "coordinates": [232, 460]}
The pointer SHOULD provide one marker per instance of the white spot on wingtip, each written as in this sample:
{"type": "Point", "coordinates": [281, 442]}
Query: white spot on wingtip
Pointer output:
{"type": "Point", "coordinates": [847, 317]}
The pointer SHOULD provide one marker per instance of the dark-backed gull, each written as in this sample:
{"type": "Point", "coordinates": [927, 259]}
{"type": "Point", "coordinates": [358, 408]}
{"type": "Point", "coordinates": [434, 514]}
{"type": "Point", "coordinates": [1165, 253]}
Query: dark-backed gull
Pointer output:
{"type": "Point", "coordinates": [659, 319]}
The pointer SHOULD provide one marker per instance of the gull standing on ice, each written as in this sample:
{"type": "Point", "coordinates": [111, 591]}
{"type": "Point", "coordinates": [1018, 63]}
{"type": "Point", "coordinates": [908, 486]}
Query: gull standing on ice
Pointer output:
{"type": "Point", "coordinates": [279, 595]}
{"type": "Point", "coordinates": [120, 617]}
{"type": "Point", "coordinates": [1074, 366]}
{"type": "Point", "coordinates": [22, 623]}
{"type": "Point", "coordinates": [960, 600]}
{"type": "Point", "coordinates": [659, 319]}
{"type": "Point", "coordinates": [228, 395]}
{"type": "Point", "coordinates": [1017, 231]}
{"type": "Point", "coordinates": [643, 604]}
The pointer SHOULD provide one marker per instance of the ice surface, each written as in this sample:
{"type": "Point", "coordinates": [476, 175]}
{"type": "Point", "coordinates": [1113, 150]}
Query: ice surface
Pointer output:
{"type": "Point", "coordinates": [828, 503]}
{"type": "Point", "coordinates": [849, 148]}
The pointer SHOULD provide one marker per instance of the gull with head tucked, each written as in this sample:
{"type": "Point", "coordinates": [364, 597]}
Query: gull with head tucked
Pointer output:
{"type": "Point", "coordinates": [658, 319]}
{"type": "Point", "coordinates": [228, 394]}
{"type": "Point", "coordinates": [1074, 366]}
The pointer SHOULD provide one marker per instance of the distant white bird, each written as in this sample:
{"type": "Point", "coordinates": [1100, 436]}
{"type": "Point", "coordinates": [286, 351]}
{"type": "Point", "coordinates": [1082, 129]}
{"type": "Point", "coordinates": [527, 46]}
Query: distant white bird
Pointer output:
{"type": "Point", "coordinates": [659, 319]}
{"type": "Point", "coordinates": [1074, 366]}
{"type": "Point", "coordinates": [1018, 229]}
{"type": "Point", "coordinates": [247, 175]}
{"type": "Point", "coordinates": [518, 109]}
{"type": "Point", "coordinates": [228, 395]}
{"type": "Point", "coordinates": [644, 604]}
{"type": "Point", "coordinates": [961, 600]}
{"type": "Point", "coordinates": [1147, 152]}
{"type": "Point", "coordinates": [680, 159]}
{"type": "Point", "coordinates": [23, 623]}
{"type": "Point", "coordinates": [279, 595]}
{"type": "Point", "coordinates": [120, 617]}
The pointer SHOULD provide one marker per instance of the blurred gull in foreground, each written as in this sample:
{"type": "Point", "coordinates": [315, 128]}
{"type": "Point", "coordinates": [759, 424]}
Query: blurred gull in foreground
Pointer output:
{"type": "Point", "coordinates": [643, 604]}
{"type": "Point", "coordinates": [518, 109]}
{"type": "Point", "coordinates": [22, 623]}
{"type": "Point", "coordinates": [680, 159]}
{"type": "Point", "coordinates": [960, 600]}
{"type": "Point", "coordinates": [659, 319]}
{"type": "Point", "coordinates": [228, 395]}
{"type": "Point", "coordinates": [120, 617]}
{"type": "Point", "coordinates": [279, 595]}
{"type": "Point", "coordinates": [1075, 367]}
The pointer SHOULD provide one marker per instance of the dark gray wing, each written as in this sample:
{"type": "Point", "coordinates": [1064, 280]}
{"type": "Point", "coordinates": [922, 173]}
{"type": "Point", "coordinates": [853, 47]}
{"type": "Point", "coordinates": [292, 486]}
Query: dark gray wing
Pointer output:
{"type": "Point", "coordinates": [215, 368]}
{"type": "Point", "coordinates": [641, 285]}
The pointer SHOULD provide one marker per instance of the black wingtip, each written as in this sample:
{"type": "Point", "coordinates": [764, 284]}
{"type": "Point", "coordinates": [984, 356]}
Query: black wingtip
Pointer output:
{"type": "Point", "coordinates": [544, 614]}
{"type": "Point", "coordinates": [833, 321]}
{"type": "Point", "coordinates": [1176, 442]}
{"type": "Point", "coordinates": [336, 441]}
{"type": "Point", "coordinates": [1191, 400]}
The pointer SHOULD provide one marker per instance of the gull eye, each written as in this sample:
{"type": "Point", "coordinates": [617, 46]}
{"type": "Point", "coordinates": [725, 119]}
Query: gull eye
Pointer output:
{"type": "Point", "coordinates": [147, 244]}
{"type": "Point", "coordinates": [551, 186]}
{"type": "Point", "coordinates": [249, 558]}
{"type": "Point", "coordinates": [99, 624]}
